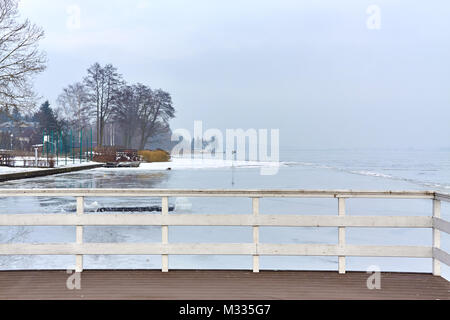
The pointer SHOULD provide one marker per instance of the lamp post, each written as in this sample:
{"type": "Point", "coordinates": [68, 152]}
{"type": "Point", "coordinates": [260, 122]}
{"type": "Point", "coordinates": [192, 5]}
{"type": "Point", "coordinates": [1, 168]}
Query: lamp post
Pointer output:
{"type": "Point", "coordinates": [12, 136]}
{"type": "Point", "coordinates": [232, 166]}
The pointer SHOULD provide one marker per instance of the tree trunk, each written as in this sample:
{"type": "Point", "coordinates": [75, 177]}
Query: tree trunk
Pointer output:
{"type": "Point", "coordinates": [98, 128]}
{"type": "Point", "coordinates": [101, 132]}
{"type": "Point", "coordinates": [142, 143]}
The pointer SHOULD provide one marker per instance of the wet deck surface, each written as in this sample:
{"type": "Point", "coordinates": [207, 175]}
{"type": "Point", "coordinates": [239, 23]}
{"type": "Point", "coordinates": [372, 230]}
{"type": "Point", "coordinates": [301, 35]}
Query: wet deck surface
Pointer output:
{"type": "Point", "coordinates": [219, 285]}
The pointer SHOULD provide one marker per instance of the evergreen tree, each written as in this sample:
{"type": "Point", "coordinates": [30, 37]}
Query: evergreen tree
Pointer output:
{"type": "Point", "coordinates": [16, 116]}
{"type": "Point", "coordinates": [4, 115]}
{"type": "Point", "coordinates": [46, 118]}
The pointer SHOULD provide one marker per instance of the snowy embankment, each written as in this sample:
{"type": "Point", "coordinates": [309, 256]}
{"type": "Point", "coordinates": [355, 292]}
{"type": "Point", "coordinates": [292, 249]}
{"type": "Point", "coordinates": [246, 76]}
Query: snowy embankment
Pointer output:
{"type": "Point", "coordinates": [7, 170]}
{"type": "Point", "coordinates": [62, 164]}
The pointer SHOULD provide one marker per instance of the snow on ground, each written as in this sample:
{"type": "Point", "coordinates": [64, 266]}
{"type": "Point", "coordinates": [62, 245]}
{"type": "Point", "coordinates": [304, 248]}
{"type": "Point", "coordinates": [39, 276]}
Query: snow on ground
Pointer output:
{"type": "Point", "coordinates": [188, 163]}
{"type": "Point", "coordinates": [177, 163]}
{"type": "Point", "coordinates": [6, 170]}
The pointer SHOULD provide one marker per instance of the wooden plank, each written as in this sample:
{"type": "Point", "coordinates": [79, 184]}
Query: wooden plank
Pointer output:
{"type": "Point", "coordinates": [349, 250]}
{"type": "Point", "coordinates": [216, 220]}
{"type": "Point", "coordinates": [389, 251]}
{"type": "Point", "coordinates": [128, 249]}
{"type": "Point", "coordinates": [441, 256]}
{"type": "Point", "coordinates": [215, 249]}
{"type": "Point", "coordinates": [345, 221]}
{"type": "Point", "coordinates": [298, 249]}
{"type": "Point", "coordinates": [219, 285]}
{"type": "Point", "coordinates": [441, 225]}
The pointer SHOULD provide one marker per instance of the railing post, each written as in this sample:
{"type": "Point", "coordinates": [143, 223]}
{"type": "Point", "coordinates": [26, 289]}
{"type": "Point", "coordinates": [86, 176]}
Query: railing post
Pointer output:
{"type": "Point", "coordinates": [165, 234]}
{"type": "Point", "coordinates": [255, 205]}
{"type": "Point", "coordinates": [341, 236]}
{"type": "Point", "coordinates": [436, 237]}
{"type": "Point", "coordinates": [79, 236]}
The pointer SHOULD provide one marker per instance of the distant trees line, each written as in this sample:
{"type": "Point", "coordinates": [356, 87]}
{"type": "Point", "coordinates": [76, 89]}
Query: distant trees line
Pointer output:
{"type": "Point", "coordinates": [103, 97]}
{"type": "Point", "coordinates": [137, 111]}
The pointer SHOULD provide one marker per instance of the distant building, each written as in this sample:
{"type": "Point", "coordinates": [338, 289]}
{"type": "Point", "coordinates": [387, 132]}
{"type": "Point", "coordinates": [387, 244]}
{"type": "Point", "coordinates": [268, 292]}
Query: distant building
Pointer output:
{"type": "Point", "coordinates": [17, 127]}
{"type": "Point", "coordinates": [23, 133]}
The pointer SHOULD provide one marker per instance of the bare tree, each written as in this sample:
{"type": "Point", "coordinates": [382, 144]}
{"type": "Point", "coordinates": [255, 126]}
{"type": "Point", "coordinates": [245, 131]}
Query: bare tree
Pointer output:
{"type": "Point", "coordinates": [155, 111]}
{"type": "Point", "coordinates": [74, 107]}
{"type": "Point", "coordinates": [126, 113]}
{"type": "Point", "coordinates": [103, 84]}
{"type": "Point", "coordinates": [20, 58]}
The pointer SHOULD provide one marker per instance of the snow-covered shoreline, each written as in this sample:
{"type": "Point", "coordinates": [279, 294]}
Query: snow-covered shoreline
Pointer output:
{"type": "Point", "coordinates": [188, 163]}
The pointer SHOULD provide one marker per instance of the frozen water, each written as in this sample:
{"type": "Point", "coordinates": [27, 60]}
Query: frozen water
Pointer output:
{"type": "Point", "coordinates": [300, 169]}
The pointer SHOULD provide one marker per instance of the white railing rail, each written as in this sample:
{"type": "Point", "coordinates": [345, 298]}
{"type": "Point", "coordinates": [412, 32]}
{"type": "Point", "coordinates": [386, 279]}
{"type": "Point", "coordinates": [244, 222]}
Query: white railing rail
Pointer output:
{"type": "Point", "coordinates": [254, 220]}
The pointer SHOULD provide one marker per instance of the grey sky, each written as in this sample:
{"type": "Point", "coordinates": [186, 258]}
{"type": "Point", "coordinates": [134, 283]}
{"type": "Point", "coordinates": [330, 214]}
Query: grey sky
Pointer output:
{"type": "Point", "coordinates": [310, 68]}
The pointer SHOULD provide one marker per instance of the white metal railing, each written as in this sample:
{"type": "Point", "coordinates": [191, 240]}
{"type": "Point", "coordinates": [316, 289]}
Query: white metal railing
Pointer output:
{"type": "Point", "coordinates": [254, 220]}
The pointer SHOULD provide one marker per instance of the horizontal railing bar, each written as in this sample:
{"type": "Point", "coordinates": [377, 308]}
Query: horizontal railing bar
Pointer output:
{"type": "Point", "coordinates": [441, 225]}
{"type": "Point", "coordinates": [216, 249]}
{"type": "Point", "coordinates": [215, 193]}
{"type": "Point", "coordinates": [348, 250]}
{"type": "Point", "coordinates": [441, 255]}
{"type": "Point", "coordinates": [128, 249]}
{"type": "Point", "coordinates": [219, 220]}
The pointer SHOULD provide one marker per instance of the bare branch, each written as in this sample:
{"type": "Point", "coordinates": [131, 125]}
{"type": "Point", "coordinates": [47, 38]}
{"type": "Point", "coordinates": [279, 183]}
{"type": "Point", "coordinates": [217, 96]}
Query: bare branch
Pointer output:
{"type": "Point", "coordinates": [20, 57]}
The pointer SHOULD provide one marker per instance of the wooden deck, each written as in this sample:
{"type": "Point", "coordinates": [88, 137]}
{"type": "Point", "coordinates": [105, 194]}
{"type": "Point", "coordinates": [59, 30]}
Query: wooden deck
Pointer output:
{"type": "Point", "coordinates": [219, 285]}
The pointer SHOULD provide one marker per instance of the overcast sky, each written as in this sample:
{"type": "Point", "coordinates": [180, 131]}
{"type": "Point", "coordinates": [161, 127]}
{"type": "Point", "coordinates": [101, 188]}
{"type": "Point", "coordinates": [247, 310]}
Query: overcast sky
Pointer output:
{"type": "Point", "coordinates": [312, 69]}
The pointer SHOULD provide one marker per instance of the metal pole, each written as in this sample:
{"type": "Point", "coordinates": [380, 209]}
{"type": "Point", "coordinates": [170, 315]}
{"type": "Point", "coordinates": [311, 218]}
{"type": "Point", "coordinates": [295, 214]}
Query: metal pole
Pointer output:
{"type": "Point", "coordinates": [46, 145]}
{"type": "Point", "coordinates": [81, 143]}
{"type": "Point", "coordinates": [51, 143]}
{"type": "Point", "coordinates": [65, 148]}
{"type": "Point", "coordinates": [61, 145]}
{"type": "Point", "coordinates": [57, 148]}
{"type": "Point", "coordinates": [91, 145]}
{"type": "Point", "coordinates": [71, 138]}
{"type": "Point", "coordinates": [87, 149]}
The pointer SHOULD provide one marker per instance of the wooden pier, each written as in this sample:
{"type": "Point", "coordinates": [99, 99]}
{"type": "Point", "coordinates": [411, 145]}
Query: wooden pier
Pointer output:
{"type": "Point", "coordinates": [219, 285]}
{"type": "Point", "coordinates": [227, 284]}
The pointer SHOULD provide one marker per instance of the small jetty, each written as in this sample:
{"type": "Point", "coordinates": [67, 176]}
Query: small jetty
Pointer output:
{"type": "Point", "coordinates": [134, 164]}
{"type": "Point", "coordinates": [135, 209]}
{"type": "Point", "coordinates": [46, 172]}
